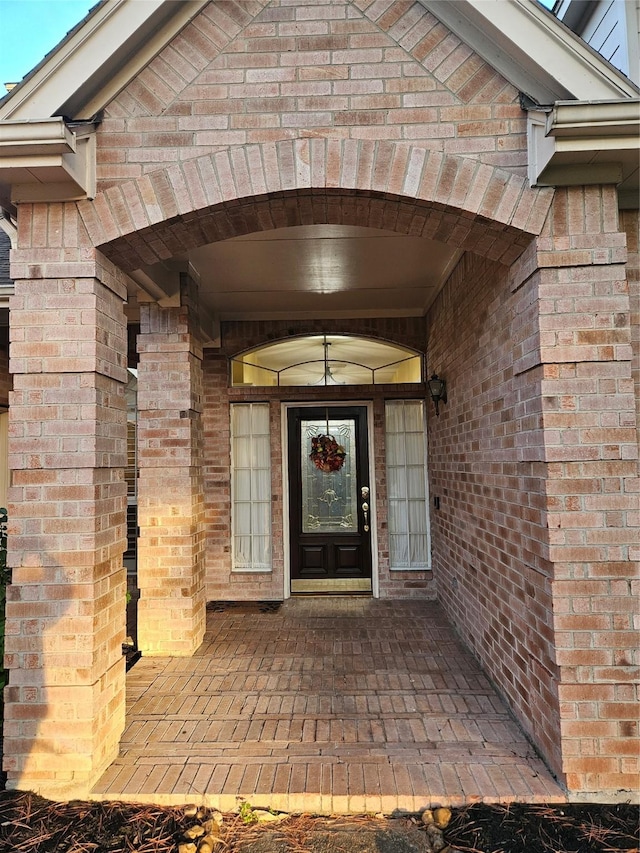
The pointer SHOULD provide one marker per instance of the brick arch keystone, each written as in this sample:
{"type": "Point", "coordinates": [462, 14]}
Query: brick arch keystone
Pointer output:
{"type": "Point", "coordinates": [383, 184]}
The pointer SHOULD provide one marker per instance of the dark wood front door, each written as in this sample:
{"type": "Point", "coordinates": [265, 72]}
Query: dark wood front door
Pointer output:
{"type": "Point", "coordinates": [330, 511]}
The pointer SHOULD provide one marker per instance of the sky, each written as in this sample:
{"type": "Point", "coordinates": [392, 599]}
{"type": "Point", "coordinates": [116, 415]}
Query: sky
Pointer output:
{"type": "Point", "coordinates": [31, 28]}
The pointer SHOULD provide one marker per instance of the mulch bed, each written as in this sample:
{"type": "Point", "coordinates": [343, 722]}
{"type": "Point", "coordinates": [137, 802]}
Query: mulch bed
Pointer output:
{"type": "Point", "coordinates": [571, 828]}
{"type": "Point", "coordinates": [31, 824]}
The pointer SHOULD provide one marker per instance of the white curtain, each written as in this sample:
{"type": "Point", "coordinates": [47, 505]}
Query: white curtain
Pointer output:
{"type": "Point", "coordinates": [251, 487]}
{"type": "Point", "coordinates": [407, 484]}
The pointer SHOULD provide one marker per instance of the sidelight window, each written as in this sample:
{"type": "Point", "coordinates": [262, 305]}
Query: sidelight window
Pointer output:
{"type": "Point", "coordinates": [251, 487]}
{"type": "Point", "coordinates": [407, 484]}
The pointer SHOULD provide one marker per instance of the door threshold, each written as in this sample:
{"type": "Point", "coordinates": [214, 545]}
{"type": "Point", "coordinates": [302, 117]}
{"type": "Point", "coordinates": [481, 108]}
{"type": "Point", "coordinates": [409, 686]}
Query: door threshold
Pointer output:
{"type": "Point", "coordinates": [332, 586]}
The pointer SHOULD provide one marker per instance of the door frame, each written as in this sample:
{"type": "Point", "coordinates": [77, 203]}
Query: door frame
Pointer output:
{"type": "Point", "coordinates": [286, 531]}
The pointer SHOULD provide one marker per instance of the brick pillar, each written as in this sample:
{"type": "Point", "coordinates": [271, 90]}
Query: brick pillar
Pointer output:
{"type": "Point", "coordinates": [64, 705]}
{"type": "Point", "coordinates": [591, 452]}
{"type": "Point", "coordinates": [171, 610]}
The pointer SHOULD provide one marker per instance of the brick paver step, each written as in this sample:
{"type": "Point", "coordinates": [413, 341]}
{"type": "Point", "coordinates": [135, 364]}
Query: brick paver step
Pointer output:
{"type": "Point", "coordinates": [328, 705]}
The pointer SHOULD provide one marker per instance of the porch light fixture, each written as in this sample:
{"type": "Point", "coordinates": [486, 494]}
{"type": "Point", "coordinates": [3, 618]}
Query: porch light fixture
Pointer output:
{"type": "Point", "coordinates": [438, 391]}
{"type": "Point", "coordinates": [327, 377]}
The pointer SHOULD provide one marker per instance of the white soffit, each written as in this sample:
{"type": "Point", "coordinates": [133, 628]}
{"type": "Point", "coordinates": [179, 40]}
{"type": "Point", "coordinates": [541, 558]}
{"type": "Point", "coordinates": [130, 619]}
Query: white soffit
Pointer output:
{"type": "Point", "coordinates": [97, 59]}
{"type": "Point", "coordinates": [532, 49]}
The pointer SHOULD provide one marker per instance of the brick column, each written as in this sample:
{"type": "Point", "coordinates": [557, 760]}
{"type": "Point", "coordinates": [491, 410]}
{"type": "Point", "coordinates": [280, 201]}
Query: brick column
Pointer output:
{"type": "Point", "coordinates": [171, 610]}
{"type": "Point", "coordinates": [64, 710]}
{"type": "Point", "coordinates": [591, 452]}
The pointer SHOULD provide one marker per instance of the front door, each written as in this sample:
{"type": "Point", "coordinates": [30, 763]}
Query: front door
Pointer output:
{"type": "Point", "coordinates": [330, 504]}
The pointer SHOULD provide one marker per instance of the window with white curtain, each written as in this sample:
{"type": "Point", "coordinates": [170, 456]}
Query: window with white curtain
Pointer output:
{"type": "Point", "coordinates": [407, 484]}
{"type": "Point", "coordinates": [251, 487]}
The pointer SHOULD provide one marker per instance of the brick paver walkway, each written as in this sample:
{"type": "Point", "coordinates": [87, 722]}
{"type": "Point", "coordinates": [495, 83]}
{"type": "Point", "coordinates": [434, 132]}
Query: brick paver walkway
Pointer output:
{"type": "Point", "coordinates": [330, 705]}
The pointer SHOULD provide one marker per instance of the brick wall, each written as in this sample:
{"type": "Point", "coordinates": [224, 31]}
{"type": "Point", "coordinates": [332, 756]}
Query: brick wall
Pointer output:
{"type": "Point", "coordinates": [254, 72]}
{"type": "Point", "coordinates": [222, 583]}
{"type": "Point", "coordinates": [535, 460]}
{"type": "Point", "coordinates": [171, 545]}
{"type": "Point", "coordinates": [64, 706]}
{"type": "Point", "coordinates": [5, 386]}
{"type": "Point", "coordinates": [591, 449]}
{"type": "Point", "coordinates": [630, 224]}
{"type": "Point", "coordinates": [490, 557]}
{"type": "Point", "coordinates": [263, 115]}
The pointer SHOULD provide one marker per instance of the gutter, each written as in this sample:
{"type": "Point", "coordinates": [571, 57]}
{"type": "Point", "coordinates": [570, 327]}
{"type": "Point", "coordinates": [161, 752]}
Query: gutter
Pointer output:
{"type": "Point", "coordinates": [48, 159]}
{"type": "Point", "coordinates": [583, 118]}
{"type": "Point", "coordinates": [586, 142]}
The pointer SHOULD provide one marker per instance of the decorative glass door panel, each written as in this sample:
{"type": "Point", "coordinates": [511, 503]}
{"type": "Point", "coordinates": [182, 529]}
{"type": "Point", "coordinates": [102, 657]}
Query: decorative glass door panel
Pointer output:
{"type": "Point", "coordinates": [329, 503]}
{"type": "Point", "coordinates": [329, 498]}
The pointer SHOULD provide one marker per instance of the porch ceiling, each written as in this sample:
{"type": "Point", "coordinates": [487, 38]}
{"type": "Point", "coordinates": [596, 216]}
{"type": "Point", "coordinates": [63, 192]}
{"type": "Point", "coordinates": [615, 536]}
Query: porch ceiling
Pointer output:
{"type": "Point", "coordinates": [321, 271]}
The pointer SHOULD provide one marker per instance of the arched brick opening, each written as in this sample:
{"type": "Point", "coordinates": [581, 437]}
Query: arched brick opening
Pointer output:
{"type": "Point", "coordinates": [486, 212]}
{"type": "Point", "coordinates": [408, 189]}
{"type": "Point", "coordinates": [503, 386]}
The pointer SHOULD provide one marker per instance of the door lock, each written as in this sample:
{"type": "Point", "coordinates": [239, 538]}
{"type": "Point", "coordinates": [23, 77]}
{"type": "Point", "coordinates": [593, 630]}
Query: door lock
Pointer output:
{"type": "Point", "coordinates": [364, 491]}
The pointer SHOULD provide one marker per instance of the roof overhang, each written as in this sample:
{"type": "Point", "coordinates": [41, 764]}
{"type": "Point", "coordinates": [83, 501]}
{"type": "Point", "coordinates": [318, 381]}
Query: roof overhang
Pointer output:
{"type": "Point", "coordinates": [523, 41]}
{"type": "Point", "coordinates": [587, 142]}
{"type": "Point", "coordinates": [47, 132]}
{"type": "Point", "coordinates": [538, 54]}
{"type": "Point", "coordinates": [98, 58]}
{"type": "Point", "coordinates": [47, 160]}
{"type": "Point", "coordinates": [44, 157]}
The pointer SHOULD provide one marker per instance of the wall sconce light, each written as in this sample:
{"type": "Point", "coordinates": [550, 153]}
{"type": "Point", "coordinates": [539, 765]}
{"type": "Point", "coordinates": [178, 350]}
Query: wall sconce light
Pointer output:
{"type": "Point", "coordinates": [438, 391]}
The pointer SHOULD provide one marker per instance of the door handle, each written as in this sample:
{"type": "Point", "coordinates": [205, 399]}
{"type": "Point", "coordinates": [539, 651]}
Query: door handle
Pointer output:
{"type": "Point", "coordinates": [364, 491]}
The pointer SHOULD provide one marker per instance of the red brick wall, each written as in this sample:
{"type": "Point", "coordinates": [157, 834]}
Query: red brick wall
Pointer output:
{"type": "Point", "coordinates": [171, 610]}
{"type": "Point", "coordinates": [534, 455]}
{"type": "Point", "coordinates": [65, 611]}
{"type": "Point", "coordinates": [591, 452]}
{"type": "Point", "coordinates": [222, 583]}
{"type": "Point", "coordinates": [630, 224]}
{"type": "Point", "coordinates": [535, 461]}
{"type": "Point", "coordinates": [489, 534]}
{"type": "Point", "coordinates": [247, 72]}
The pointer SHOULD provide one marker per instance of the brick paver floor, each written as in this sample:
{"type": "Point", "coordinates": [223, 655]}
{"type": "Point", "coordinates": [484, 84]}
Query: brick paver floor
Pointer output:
{"type": "Point", "coordinates": [330, 705]}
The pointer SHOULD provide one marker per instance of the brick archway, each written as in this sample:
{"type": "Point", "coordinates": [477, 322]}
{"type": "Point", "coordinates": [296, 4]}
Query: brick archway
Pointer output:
{"type": "Point", "coordinates": [541, 366]}
{"type": "Point", "coordinates": [412, 190]}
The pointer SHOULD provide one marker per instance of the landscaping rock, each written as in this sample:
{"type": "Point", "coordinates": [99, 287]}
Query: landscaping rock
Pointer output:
{"type": "Point", "coordinates": [212, 827]}
{"type": "Point", "coordinates": [442, 817]}
{"type": "Point", "coordinates": [193, 832]}
{"type": "Point", "coordinates": [209, 844]}
{"type": "Point", "coordinates": [264, 816]}
{"type": "Point", "coordinates": [435, 839]}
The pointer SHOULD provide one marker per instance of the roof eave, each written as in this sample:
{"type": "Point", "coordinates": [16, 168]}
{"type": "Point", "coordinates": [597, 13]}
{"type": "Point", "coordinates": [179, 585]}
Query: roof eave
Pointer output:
{"type": "Point", "coordinates": [513, 36]}
{"type": "Point", "coordinates": [97, 59]}
{"type": "Point", "coordinates": [587, 142]}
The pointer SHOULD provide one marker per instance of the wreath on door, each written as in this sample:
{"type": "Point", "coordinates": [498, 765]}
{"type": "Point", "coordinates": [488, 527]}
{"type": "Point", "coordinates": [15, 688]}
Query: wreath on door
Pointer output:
{"type": "Point", "coordinates": [326, 454]}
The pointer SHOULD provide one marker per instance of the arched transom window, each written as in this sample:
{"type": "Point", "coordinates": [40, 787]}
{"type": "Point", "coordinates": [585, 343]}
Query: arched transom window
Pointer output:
{"type": "Point", "coordinates": [327, 360]}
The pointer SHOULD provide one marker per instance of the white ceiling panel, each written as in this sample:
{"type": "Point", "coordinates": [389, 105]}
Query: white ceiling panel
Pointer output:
{"type": "Point", "coordinates": [321, 271]}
